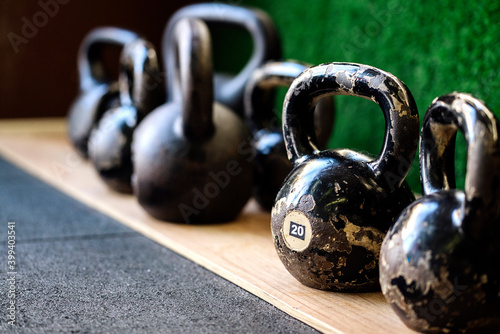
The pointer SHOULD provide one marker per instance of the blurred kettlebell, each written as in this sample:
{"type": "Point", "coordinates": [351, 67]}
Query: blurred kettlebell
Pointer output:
{"type": "Point", "coordinates": [229, 89]}
{"type": "Point", "coordinates": [334, 208]}
{"type": "Point", "coordinates": [140, 92]}
{"type": "Point", "coordinates": [190, 156]}
{"type": "Point", "coordinates": [439, 264]}
{"type": "Point", "coordinates": [271, 163]}
{"type": "Point", "coordinates": [98, 92]}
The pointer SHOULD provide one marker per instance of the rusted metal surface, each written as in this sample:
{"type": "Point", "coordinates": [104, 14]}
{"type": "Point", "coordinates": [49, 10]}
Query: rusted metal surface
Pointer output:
{"type": "Point", "coordinates": [343, 201]}
{"type": "Point", "coordinates": [439, 262]}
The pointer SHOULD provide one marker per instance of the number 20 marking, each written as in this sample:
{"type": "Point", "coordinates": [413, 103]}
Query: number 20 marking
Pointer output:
{"type": "Point", "coordinates": [297, 230]}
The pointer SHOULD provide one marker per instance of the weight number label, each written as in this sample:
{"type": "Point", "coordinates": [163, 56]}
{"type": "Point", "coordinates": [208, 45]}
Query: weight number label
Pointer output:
{"type": "Point", "coordinates": [297, 230]}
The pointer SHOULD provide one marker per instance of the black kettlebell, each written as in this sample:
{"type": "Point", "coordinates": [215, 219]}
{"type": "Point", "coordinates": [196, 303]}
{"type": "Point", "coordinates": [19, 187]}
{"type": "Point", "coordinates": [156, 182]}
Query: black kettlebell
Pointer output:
{"type": "Point", "coordinates": [334, 208]}
{"type": "Point", "coordinates": [192, 161]}
{"type": "Point", "coordinates": [140, 92]}
{"type": "Point", "coordinates": [439, 264]}
{"type": "Point", "coordinates": [229, 89]}
{"type": "Point", "coordinates": [271, 163]}
{"type": "Point", "coordinates": [98, 92]}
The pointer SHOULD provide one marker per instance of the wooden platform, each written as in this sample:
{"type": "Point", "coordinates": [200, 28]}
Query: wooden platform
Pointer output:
{"type": "Point", "coordinates": [241, 252]}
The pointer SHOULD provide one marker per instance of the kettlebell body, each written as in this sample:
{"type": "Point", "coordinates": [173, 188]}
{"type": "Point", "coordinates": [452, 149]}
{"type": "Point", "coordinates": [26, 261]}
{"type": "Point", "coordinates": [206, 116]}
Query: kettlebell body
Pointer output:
{"type": "Point", "coordinates": [335, 207]}
{"type": "Point", "coordinates": [229, 89]}
{"type": "Point", "coordinates": [179, 180]}
{"type": "Point", "coordinates": [438, 267]}
{"type": "Point", "coordinates": [271, 165]}
{"type": "Point", "coordinates": [110, 140]}
{"type": "Point", "coordinates": [192, 158]}
{"type": "Point", "coordinates": [98, 92]}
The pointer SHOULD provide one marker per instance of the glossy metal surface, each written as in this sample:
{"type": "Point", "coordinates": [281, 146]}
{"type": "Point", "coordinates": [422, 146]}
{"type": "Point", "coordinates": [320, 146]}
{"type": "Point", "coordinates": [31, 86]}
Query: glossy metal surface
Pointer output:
{"type": "Point", "coordinates": [266, 46]}
{"type": "Point", "coordinates": [271, 163]}
{"type": "Point", "coordinates": [346, 199]}
{"type": "Point", "coordinates": [140, 92]}
{"type": "Point", "coordinates": [192, 157]}
{"type": "Point", "coordinates": [98, 92]}
{"type": "Point", "coordinates": [439, 262]}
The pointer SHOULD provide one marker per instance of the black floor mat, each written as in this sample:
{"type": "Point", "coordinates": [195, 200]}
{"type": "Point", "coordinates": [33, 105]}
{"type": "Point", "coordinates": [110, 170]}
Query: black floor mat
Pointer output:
{"type": "Point", "coordinates": [79, 271]}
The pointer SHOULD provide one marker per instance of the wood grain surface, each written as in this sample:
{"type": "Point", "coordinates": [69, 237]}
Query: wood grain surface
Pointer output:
{"type": "Point", "coordinates": [241, 251]}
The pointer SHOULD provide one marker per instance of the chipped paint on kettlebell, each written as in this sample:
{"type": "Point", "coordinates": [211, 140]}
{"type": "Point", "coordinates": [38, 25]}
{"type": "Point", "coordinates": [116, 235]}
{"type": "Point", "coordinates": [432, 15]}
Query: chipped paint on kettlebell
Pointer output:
{"type": "Point", "coordinates": [438, 262]}
{"type": "Point", "coordinates": [356, 198]}
{"type": "Point", "coordinates": [353, 230]}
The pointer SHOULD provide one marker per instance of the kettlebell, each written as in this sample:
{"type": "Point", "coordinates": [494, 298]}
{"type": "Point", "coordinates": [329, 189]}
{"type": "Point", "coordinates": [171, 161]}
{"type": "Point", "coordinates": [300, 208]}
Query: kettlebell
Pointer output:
{"type": "Point", "coordinates": [229, 89]}
{"type": "Point", "coordinates": [140, 92]}
{"type": "Point", "coordinates": [271, 163]}
{"type": "Point", "coordinates": [334, 208]}
{"type": "Point", "coordinates": [192, 159]}
{"type": "Point", "coordinates": [98, 92]}
{"type": "Point", "coordinates": [439, 262]}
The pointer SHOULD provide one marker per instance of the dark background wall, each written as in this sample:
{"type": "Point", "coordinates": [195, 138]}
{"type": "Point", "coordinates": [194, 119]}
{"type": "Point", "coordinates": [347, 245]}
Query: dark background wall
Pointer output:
{"type": "Point", "coordinates": [38, 76]}
{"type": "Point", "coordinates": [435, 47]}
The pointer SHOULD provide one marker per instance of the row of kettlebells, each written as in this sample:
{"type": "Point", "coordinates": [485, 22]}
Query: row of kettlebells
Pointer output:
{"type": "Point", "coordinates": [197, 157]}
{"type": "Point", "coordinates": [339, 211]}
{"type": "Point", "coordinates": [194, 160]}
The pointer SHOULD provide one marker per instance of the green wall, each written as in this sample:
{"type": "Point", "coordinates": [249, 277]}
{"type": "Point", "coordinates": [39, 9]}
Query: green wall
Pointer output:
{"type": "Point", "coordinates": [435, 47]}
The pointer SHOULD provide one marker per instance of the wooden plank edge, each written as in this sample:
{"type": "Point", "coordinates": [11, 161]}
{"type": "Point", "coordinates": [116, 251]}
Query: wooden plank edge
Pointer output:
{"type": "Point", "coordinates": [33, 125]}
{"type": "Point", "coordinates": [152, 234]}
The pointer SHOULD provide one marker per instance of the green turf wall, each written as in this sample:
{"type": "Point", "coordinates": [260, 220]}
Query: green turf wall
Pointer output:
{"type": "Point", "coordinates": [435, 47]}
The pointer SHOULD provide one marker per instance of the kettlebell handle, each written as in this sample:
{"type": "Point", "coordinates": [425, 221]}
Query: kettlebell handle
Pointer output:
{"type": "Point", "coordinates": [399, 108]}
{"type": "Point", "coordinates": [260, 85]}
{"type": "Point", "coordinates": [260, 92]}
{"type": "Point", "coordinates": [138, 67]}
{"type": "Point", "coordinates": [90, 67]}
{"type": "Point", "coordinates": [193, 74]}
{"type": "Point", "coordinates": [480, 127]}
{"type": "Point", "coordinates": [256, 22]}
